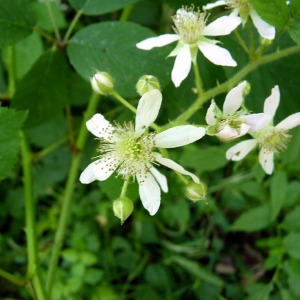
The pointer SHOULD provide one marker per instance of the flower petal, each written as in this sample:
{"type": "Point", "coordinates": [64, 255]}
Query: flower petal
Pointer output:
{"type": "Point", "coordinates": [240, 150]}
{"type": "Point", "coordinates": [160, 178]}
{"type": "Point", "coordinates": [100, 127]}
{"type": "Point", "coordinates": [272, 102]}
{"type": "Point", "coordinates": [210, 117]}
{"type": "Point", "coordinates": [99, 170]}
{"type": "Point", "coordinates": [264, 29]}
{"type": "Point", "coordinates": [147, 110]}
{"type": "Point", "coordinates": [179, 136]}
{"type": "Point", "coordinates": [182, 65]}
{"type": "Point", "coordinates": [213, 5]}
{"type": "Point", "coordinates": [234, 99]}
{"type": "Point", "coordinates": [216, 54]}
{"type": "Point", "coordinates": [176, 167]}
{"type": "Point", "coordinates": [158, 41]}
{"type": "Point", "coordinates": [228, 133]}
{"type": "Point", "coordinates": [289, 122]}
{"type": "Point", "coordinates": [222, 26]}
{"type": "Point", "coordinates": [257, 121]}
{"type": "Point", "coordinates": [149, 191]}
{"type": "Point", "coordinates": [266, 159]}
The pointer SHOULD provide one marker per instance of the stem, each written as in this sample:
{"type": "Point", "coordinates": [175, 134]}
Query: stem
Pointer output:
{"type": "Point", "coordinates": [12, 278]}
{"type": "Point", "coordinates": [126, 13]}
{"type": "Point", "coordinates": [55, 28]}
{"type": "Point", "coordinates": [72, 25]}
{"type": "Point", "coordinates": [252, 65]}
{"type": "Point", "coordinates": [124, 187]}
{"type": "Point", "coordinates": [68, 196]}
{"type": "Point", "coordinates": [198, 80]}
{"type": "Point", "coordinates": [30, 224]}
{"type": "Point", "coordinates": [11, 70]}
{"type": "Point", "coordinates": [123, 101]}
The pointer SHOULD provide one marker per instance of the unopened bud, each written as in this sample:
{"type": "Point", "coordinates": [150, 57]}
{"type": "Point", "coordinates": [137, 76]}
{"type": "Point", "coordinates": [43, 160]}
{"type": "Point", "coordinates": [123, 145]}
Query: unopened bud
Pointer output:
{"type": "Point", "coordinates": [102, 83]}
{"type": "Point", "coordinates": [195, 191]}
{"type": "Point", "coordinates": [147, 83]}
{"type": "Point", "coordinates": [122, 208]}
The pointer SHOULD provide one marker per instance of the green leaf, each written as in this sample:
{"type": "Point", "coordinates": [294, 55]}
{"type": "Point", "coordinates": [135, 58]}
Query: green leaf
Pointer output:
{"type": "Point", "coordinates": [294, 31]}
{"type": "Point", "coordinates": [253, 220]}
{"type": "Point", "coordinates": [291, 220]}
{"type": "Point", "coordinates": [10, 124]}
{"type": "Point", "coordinates": [195, 269]}
{"type": "Point", "coordinates": [96, 7]}
{"type": "Point", "coordinates": [274, 12]}
{"type": "Point", "coordinates": [111, 47]}
{"type": "Point", "coordinates": [292, 244]}
{"type": "Point", "coordinates": [16, 21]}
{"type": "Point", "coordinates": [278, 193]}
{"type": "Point", "coordinates": [295, 9]}
{"type": "Point", "coordinates": [43, 90]}
{"type": "Point", "coordinates": [259, 291]}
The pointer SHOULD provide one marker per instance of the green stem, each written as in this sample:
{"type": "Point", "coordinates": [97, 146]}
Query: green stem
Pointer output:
{"type": "Point", "coordinates": [68, 196]}
{"type": "Point", "coordinates": [72, 25]}
{"type": "Point", "coordinates": [12, 278]}
{"type": "Point", "coordinates": [198, 80]}
{"type": "Point", "coordinates": [227, 85]}
{"type": "Point", "coordinates": [30, 224]}
{"type": "Point", "coordinates": [124, 187]}
{"type": "Point", "coordinates": [55, 28]}
{"type": "Point", "coordinates": [126, 13]}
{"type": "Point", "coordinates": [11, 71]}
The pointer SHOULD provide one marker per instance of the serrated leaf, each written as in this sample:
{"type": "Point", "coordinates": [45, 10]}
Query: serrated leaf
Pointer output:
{"type": "Point", "coordinates": [252, 220]}
{"type": "Point", "coordinates": [43, 90]}
{"type": "Point", "coordinates": [292, 244]}
{"type": "Point", "coordinates": [111, 47]}
{"type": "Point", "coordinates": [96, 7]}
{"type": "Point", "coordinates": [10, 124]}
{"type": "Point", "coordinates": [278, 193]}
{"type": "Point", "coordinates": [274, 12]}
{"type": "Point", "coordinates": [16, 21]}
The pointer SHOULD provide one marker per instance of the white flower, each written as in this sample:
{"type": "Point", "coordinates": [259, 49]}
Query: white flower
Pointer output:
{"type": "Point", "coordinates": [129, 150]}
{"type": "Point", "coordinates": [231, 123]}
{"type": "Point", "coordinates": [244, 9]}
{"type": "Point", "coordinates": [191, 32]}
{"type": "Point", "coordinates": [270, 139]}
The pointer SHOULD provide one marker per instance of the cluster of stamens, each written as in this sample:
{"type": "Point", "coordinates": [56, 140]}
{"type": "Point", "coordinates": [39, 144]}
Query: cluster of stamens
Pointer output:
{"type": "Point", "coordinates": [189, 24]}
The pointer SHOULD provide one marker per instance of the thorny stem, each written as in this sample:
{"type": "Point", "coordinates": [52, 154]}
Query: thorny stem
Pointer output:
{"type": "Point", "coordinates": [68, 196]}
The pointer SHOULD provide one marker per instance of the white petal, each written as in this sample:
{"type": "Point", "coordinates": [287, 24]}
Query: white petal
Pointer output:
{"type": "Point", "coordinates": [213, 5]}
{"type": "Point", "coordinates": [179, 136]}
{"type": "Point", "coordinates": [266, 159]}
{"type": "Point", "coordinates": [216, 54]}
{"type": "Point", "coordinates": [264, 29]}
{"type": "Point", "coordinates": [240, 150]}
{"type": "Point", "coordinates": [99, 170]}
{"type": "Point", "coordinates": [290, 122]}
{"type": "Point", "coordinates": [176, 167]}
{"type": "Point", "coordinates": [158, 41]}
{"type": "Point", "coordinates": [272, 102]}
{"type": "Point", "coordinates": [149, 193]}
{"type": "Point", "coordinates": [147, 110]}
{"type": "Point", "coordinates": [227, 133]}
{"type": "Point", "coordinates": [257, 121]}
{"type": "Point", "coordinates": [222, 26]}
{"type": "Point", "coordinates": [234, 99]}
{"type": "Point", "coordinates": [210, 117]}
{"type": "Point", "coordinates": [100, 127]}
{"type": "Point", "coordinates": [160, 178]}
{"type": "Point", "coordinates": [182, 65]}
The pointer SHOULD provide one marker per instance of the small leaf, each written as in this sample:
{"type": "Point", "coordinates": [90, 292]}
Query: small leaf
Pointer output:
{"type": "Point", "coordinates": [96, 7]}
{"type": "Point", "coordinates": [274, 12]}
{"type": "Point", "coordinates": [295, 9]}
{"type": "Point", "coordinates": [43, 89]}
{"type": "Point", "coordinates": [292, 221]}
{"type": "Point", "coordinates": [16, 21]}
{"type": "Point", "coordinates": [278, 193]}
{"type": "Point", "coordinates": [253, 220]}
{"type": "Point", "coordinates": [294, 31]}
{"type": "Point", "coordinates": [10, 124]}
{"type": "Point", "coordinates": [259, 291]}
{"type": "Point", "coordinates": [292, 244]}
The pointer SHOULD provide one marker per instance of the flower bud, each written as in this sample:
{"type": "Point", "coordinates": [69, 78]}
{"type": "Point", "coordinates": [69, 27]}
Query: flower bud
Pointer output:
{"type": "Point", "coordinates": [147, 83]}
{"type": "Point", "coordinates": [102, 83]}
{"type": "Point", "coordinates": [195, 191]}
{"type": "Point", "coordinates": [122, 208]}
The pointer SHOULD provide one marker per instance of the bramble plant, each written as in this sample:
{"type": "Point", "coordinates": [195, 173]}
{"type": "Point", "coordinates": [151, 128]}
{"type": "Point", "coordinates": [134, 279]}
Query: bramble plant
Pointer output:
{"type": "Point", "coordinates": [107, 104]}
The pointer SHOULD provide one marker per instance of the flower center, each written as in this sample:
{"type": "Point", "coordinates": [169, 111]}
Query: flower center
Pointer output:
{"type": "Point", "coordinates": [189, 24]}
{"type": "Point", "coordinates": [274, 139]}
{"type": "Point", "coordinates": [132, 153]}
